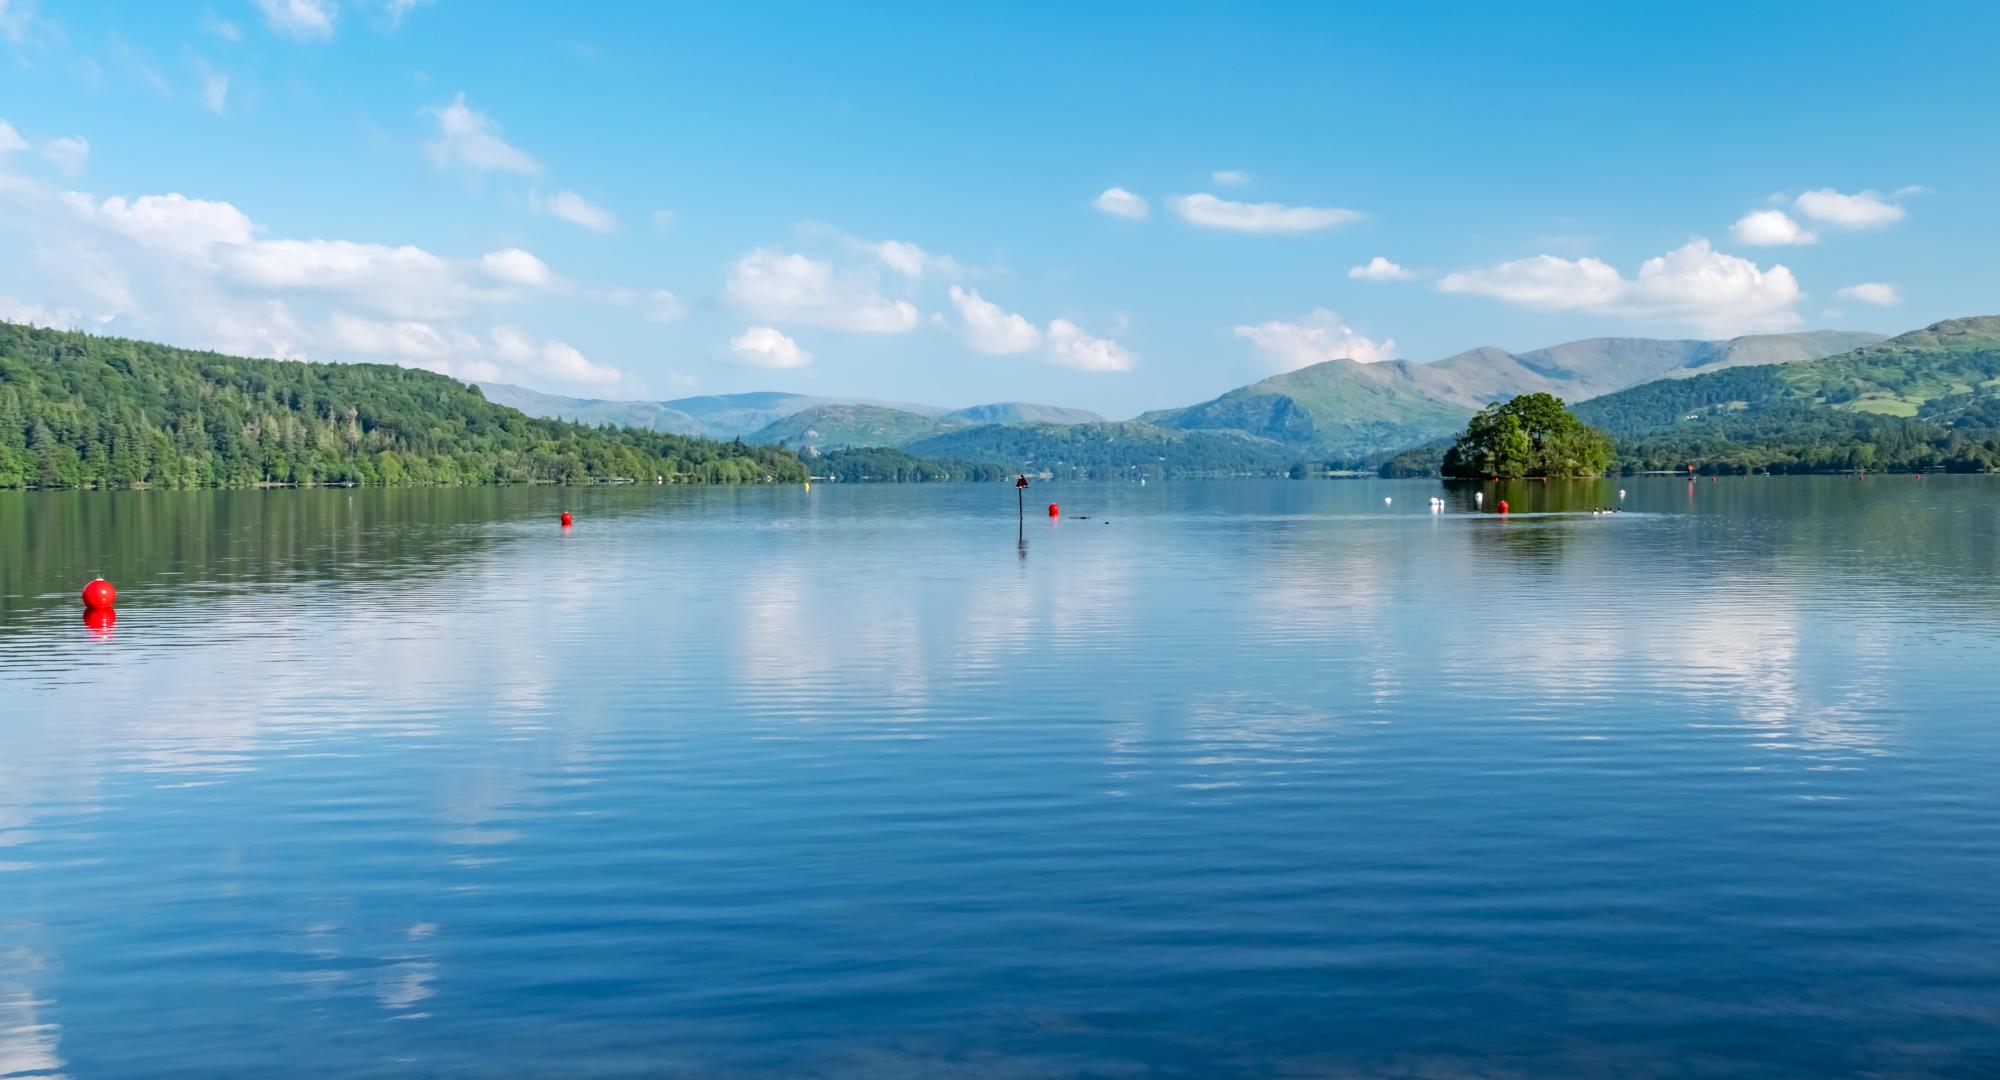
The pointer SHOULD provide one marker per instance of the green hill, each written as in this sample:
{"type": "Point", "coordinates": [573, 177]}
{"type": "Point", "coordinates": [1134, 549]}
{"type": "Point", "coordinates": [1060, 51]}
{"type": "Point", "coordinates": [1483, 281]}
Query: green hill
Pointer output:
{"type": "Point", "coordinates": [1928, 398]}
{"type": "Point", "coordinates": [77, 411]}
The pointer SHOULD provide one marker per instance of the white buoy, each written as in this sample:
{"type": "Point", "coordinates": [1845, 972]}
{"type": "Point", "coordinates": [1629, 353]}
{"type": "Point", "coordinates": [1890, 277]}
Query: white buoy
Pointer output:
{"type": "Point", "coordinates": [1621, 493]}
{"type": "Point", "coordinates": [1479, 496]}
{"type": "Point", "coordinates": [1385, 500]}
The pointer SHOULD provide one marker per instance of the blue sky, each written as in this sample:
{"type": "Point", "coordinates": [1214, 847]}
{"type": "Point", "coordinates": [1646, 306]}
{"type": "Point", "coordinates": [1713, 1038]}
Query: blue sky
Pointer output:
{"type": "Point", "coordinates": [1115, 206]}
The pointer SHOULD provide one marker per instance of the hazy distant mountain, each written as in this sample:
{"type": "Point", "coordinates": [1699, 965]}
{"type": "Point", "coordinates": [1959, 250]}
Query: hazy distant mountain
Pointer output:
{"type": "Point", "coordinates": [650, 415]}
{"type": "Point", "coordinates": [847, 425]}
{"type": "Point", "coordinates": [1344, 408]}
{"type": "Point", "coordinates": [1107, 448]}
{"type": "Point", "coordinates": [1021, 412]}
{"type": "Point", "coordinates": [726, 416]}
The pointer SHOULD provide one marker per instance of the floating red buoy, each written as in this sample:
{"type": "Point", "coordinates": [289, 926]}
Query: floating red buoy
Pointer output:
{"type": "Point", "coordinates": [99, 594]}
{"type": "Point", "coordinates": [1054, 510]}
{"type": "Point", "coordinates": [566, 520]}
{"type": "Point", "coordinates": [1503, 506]}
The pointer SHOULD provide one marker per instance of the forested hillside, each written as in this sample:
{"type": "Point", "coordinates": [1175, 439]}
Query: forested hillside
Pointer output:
{"type": "Point", "coordinates": [81, 411]}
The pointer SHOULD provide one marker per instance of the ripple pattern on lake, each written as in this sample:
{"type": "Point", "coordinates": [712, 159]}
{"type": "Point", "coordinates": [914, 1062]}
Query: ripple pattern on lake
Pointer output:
{"type": "Point", "coordinates": [1261, 779]}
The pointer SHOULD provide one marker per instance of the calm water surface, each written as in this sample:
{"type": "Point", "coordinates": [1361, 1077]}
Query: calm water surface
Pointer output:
{"type": "Point", "coordinates": [1264, 779]}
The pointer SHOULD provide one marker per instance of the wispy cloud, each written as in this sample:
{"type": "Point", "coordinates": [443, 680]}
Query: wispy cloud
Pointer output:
{"type": "Point", "coordinates": [1211, 212]}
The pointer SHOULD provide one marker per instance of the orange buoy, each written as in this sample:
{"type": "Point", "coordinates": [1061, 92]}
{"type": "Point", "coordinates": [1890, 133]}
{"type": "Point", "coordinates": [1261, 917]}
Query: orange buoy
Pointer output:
{"type": "Point", "coordinates": [99, 594]}
{"type": "Point", "coordinates": [566, 520]}
{"type": "Point", "coordinates": [99, 620]}
{"type": "Point", "coordinates": [1054, 510]}
{"type": "Point", "coordinates": [1503, 506]}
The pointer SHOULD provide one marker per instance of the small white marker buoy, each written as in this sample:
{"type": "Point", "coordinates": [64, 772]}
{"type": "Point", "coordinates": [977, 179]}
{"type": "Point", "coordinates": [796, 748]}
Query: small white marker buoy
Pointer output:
{"type": "Point", "coordinates": [1621, 493]}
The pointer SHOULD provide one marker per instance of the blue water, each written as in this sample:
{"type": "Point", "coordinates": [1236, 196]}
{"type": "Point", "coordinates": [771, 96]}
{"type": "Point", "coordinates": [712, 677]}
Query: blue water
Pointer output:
{"type": "Point", "coordinates": [1265, 779]}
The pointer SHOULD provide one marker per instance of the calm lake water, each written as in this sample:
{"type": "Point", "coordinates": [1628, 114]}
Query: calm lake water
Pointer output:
{"type": "Point", "coordinates": [1264, 779]}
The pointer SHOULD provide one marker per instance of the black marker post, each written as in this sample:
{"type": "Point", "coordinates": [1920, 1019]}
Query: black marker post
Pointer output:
{"type": "Point", "coordinates": [1021, 505]}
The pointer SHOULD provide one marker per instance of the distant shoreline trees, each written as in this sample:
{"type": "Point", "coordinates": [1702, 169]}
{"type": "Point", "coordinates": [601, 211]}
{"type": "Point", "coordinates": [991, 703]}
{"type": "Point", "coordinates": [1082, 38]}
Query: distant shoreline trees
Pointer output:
{"type": "Point", "coordinates": [1531, 435]}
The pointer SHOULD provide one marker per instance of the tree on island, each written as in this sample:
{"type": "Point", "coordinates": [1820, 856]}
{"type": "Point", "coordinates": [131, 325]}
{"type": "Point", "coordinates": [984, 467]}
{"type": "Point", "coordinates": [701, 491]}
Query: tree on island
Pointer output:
{"type": "Point", "coordinates": [1532, 435]}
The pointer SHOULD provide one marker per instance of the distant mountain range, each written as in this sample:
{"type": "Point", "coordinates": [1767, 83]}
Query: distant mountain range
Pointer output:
{"type": "Point", "coordinates": [1338, 410]}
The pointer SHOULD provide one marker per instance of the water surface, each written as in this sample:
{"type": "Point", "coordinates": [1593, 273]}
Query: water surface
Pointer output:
{"type": "Point", "coordinates": [1267, 779]}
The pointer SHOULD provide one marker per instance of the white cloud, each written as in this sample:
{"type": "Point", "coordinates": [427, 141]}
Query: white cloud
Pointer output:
{"type": "Point", "coordinates": [515, 267]}
{"type": "Point", "coordinates": [1770, 228]}
{"type": "Point", "coordinates": [765, 347]}
{"type": "Point", "coordinates": [1871, 292]}
{"type": "Point", "coordinates": [1312, 338]}
{"type": "Point", "coordinates": [1121, 203]}
{"type": "Point", "coordinates": [1861, 210]}
{"type": "Point", "coordinates": [302, 20]}
{"type": "Point", "coordinates": [471, 140]}
{"type": "Point", "coordinates": [560, 361]}
{"type": "Point", "coordinates": [910, 260]}
{"type": "Point", "coordinates": [69, 154]}
{"type": "Point", "coordinates": [14, 311]}
{"type": "Point", "coordinates": [1694, 283]}
{"type": "Point", "coordinates": [573, 208]}
{"type": "Point", "coordinates": [1380, 269]}
{"type": "Point", "coordinates": [990, 330]}
{"type": "Point", "coordinates": [173, 223]}
{"type": "Point", "coordinates": [10, 140]}
{"type": "Point", "coordinates": [775, 285]}
{"type": "Point", "coordinates": [664, 307]}
{"type": "Point", "coordinates": [404, 340]}
{"type": "Point", "coordinates": [551, 360]}
{"type": "Point", "coordinates": [1230, 177]}
{"type": "Point", "coordinates": [1070, 346]}
{"type": "Point", "coordinates": [1211, 212]}
{"type": "Point", "coordinates": [404, 281]}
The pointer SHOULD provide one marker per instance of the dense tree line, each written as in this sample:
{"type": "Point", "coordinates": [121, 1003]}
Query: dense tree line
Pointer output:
{"type": "Point", "coordinates": [84, 411]}
{"type": "Point", "coordinates": [885, 464]}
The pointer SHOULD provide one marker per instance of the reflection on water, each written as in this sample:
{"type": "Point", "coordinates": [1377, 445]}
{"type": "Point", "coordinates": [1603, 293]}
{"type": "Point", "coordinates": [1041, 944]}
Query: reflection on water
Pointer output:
{"type": "Point", "coordinates": [1255, 777]}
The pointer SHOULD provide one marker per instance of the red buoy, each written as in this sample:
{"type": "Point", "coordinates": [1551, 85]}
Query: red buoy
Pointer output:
{"type": "Point", "coordinates": [1503, 506]}
{"type": "Point", "coordinates": [1054, 510]}
{"type": "Point", "coordinates": [567, 522]}
{"type": "Point", "coordinates": [99, 594]}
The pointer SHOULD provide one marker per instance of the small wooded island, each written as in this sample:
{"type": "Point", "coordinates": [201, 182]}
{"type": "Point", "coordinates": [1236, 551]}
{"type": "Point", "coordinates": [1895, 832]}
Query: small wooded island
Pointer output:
{"type": "Point", "coordinates": [1532, 435]}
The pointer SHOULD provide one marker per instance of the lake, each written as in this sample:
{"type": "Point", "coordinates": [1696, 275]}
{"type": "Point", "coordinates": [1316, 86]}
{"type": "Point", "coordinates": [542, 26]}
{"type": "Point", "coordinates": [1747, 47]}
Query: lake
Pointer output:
{"type": "Point", "coordinates": [1199, 779]}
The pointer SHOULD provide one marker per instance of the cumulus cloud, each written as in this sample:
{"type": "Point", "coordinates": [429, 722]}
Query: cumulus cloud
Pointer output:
{"type": "Point", "coordinates": [403, 339]}
{"type": "Point", "coordinates": [1770, 228]}
{"type": "Point", "coordinates": [301, 20]}
{"type": "Point", "coordinates": [513, 266]}
{"type": "Point", "coordinates": [1230, 177]}
{"type": "Point", "coordinates": [782, 287]}
{"type": "Point", "coordinates": [1694, 283]}
{"type": "Point", "coordinates": [69, 154]}
{"type": "Point", "coordinates": [1121, 203]}
{"type": "Point", "coordinates": [1211, 212]}
{"type": "Point", "coordinates": [1380, 269]}
{"type": "Point", "coordinates": [469, 139]}
{"type": "Point", "coordinates": [10, 140]}
{"type": "Point", "coordinates": [1071, 346]}
{"type": "Point", "coordinates": [1313, 338]}
{"type": "Point", "coordinates": [990, 330]}
{"type": "Point", "coordinates": [1861, 210]}
{"type": "Point", "coordinates": [24, 314]}
{"type": "Point", "coordinates": [576, 210]}
{"type": "Point", "coordinates": [549, 359]}
{"type": "Point", "coordinates": [173, 222]}
{"type": "Point", "coordinates": [1871, 292]}
{"type": "Point", "coordinates": [766, 347]}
